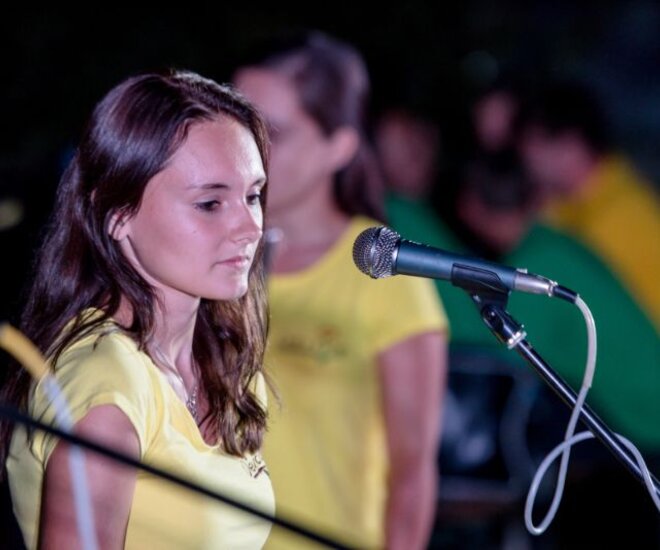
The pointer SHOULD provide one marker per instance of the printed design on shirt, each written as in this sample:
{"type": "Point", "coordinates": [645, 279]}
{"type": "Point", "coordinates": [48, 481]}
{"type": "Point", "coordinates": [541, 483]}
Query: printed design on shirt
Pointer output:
{"type": "Point", "coordinates": [322, 345]}
{"type": "Point", "coordinates": [255, 465]}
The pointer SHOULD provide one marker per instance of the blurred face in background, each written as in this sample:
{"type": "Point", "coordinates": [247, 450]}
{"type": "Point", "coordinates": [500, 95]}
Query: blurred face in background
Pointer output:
{"type": "Point", "coordinates": [301, 154]}
{"type": "Point", "coordinates": [551, 161]}
{"type": "Point", "coordinates": [408, 150]}
{"type": "Point", "coordinates": [492, 118]}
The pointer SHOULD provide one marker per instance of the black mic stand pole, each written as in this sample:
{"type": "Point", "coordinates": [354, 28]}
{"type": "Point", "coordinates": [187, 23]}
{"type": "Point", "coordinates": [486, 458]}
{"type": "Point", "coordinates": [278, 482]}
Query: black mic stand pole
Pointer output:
{"type": "Point", "coordinates": [491, 303]}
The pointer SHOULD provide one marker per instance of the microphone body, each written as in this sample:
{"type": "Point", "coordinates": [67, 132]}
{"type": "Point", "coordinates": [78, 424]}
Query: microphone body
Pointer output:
{"type": "Point", "coordinates": [381, 252]}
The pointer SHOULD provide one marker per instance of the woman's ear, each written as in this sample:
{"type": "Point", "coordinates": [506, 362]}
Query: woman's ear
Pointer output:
{"type": "Point", "coordinates": [344, 145]}
{"type": "Point", "coordinates": [118, 226]}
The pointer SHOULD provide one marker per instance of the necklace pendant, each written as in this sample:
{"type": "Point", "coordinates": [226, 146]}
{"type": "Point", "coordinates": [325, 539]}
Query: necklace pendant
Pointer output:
{"type": "Point", "coordinates": [191, 403]}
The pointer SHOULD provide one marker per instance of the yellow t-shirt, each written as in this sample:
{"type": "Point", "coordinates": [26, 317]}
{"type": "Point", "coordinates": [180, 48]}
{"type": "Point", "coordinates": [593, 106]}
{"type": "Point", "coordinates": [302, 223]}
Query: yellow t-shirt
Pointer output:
{"type": "Point", "coordinates": [326, 446]}
{"type": "Point", "coordinates": [618, 217]}
{"type": "Point", "coordinates": [105, 368]}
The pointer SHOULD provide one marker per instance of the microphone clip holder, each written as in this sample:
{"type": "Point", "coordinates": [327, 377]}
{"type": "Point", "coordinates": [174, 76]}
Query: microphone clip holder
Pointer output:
{"type": "Point", "coordinates": [491, 303]}
{"type": "Point", "coordinates": [492, 306]}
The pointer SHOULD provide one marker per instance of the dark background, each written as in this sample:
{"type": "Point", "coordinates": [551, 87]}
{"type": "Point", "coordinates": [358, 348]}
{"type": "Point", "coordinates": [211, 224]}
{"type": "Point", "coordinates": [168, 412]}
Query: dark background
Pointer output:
{"type": "Point", "coordinates": [57, 62]}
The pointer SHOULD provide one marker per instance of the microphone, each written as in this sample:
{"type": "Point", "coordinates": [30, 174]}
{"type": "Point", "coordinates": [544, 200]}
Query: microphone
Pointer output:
{"type": "Point", "coordinates": [381, 252]}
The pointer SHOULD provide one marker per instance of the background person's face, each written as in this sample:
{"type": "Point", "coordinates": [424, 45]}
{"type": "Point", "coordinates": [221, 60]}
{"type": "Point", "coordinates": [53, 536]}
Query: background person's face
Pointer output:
{"type": "Point", "coordinates": [300, 158]}
{"type": "Point", "coordinates": [200, 220]}
{"type": "Point", "coordinates": [548, 160]}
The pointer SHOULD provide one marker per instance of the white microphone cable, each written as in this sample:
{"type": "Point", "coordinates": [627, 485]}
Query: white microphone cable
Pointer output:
{"type": "Point", "coordinates": [570, 438]}
{"type": "Point", "coordinates": [29, 356]}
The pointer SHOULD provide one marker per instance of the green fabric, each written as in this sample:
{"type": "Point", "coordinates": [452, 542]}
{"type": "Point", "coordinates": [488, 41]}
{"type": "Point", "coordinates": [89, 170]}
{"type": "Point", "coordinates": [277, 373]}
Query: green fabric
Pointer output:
{"type": "Point", "coordinates": [626, 388]}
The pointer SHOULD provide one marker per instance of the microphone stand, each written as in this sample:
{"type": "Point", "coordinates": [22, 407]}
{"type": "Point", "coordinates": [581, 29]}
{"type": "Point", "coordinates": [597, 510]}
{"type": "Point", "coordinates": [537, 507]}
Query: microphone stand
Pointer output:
{"type": "Point", "coordinates": [491, 302]}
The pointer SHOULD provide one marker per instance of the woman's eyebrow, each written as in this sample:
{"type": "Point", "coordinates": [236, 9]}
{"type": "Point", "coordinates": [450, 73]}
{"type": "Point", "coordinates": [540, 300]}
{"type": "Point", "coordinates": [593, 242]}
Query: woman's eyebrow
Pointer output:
{"type": "Point", "coordinates": [259, 182]}
{"type": "Point", "coordinates": [211, 185]}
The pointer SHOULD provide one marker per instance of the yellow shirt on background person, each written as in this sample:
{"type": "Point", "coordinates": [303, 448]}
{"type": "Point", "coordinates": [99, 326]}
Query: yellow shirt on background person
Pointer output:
{"type": "Point", "coordinates": [326, 445]}
{"type": "Point", "coordinates": [618, 217]}
{"type": "Point", "coordinates": [106, 368]}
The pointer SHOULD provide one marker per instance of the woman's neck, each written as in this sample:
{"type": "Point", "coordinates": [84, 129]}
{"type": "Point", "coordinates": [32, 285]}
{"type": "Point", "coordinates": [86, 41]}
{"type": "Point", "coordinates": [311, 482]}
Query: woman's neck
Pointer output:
{"type": "Point", "coordinates": [173, 330]}
{"type": "Point", "coordinates": [303, 238]}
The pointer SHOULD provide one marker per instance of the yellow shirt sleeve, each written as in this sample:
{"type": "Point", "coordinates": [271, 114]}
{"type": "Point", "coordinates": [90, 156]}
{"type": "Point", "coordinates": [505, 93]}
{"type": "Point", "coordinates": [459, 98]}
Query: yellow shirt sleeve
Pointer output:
{"type": "Point", "coordinates": [400, 307]}
{"type": "Point", "coordinates": [105, 370]}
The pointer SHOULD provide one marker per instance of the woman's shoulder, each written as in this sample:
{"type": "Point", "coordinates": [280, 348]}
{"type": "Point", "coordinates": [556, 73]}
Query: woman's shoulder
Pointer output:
{"type": "Point", "coordinates": [101, 366]}
{"type": "Point", "coordinates": [104, 354]}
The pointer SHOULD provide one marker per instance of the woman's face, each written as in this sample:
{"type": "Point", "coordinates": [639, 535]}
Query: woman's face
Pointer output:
{"type": "Point", "coordinates": [200, 220]}
{"type": "Point", "coordinates": [301, 158]}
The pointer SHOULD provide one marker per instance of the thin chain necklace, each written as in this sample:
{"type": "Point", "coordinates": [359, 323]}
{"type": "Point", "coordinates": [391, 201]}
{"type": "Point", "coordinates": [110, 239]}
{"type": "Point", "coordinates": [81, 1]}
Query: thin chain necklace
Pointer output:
{"type": "Point", "coordinates": [191, 402]}
{"type": "Point", "coordinates": [191, 396]}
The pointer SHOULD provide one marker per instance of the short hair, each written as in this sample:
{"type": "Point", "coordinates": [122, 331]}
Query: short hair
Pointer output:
{"type": "Point", "coordinates": [565, 106]}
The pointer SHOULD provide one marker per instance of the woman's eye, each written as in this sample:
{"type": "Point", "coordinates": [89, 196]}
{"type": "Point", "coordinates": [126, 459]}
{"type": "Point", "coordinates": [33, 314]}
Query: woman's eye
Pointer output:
{"type": "Point", "coordinates": [254, 198]}
{"type": "Point", "coordinates": [207, 206]}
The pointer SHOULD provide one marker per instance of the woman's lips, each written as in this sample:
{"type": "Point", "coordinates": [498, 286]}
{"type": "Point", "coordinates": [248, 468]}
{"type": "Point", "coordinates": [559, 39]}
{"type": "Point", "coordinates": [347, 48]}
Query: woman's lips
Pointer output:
{"type": "Point", "coordinates": [237, 262]}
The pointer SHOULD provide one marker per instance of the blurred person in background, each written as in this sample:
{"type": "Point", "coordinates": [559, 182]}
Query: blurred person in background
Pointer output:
{"type": "Point", "coordinates": [591, 190]}
{"type": "Point", "coordinates": [495, 214]}
{"type": "Point", "coordinates": [408, 146]}
{"type": "Point", "coordinates": [492, 115]}
{"type": "Point", "coordinates": [360, 363]}
{"type": "Point", "coordinates": [409, 150]}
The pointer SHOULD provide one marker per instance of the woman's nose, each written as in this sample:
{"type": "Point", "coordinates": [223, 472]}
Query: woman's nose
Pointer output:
{"type": "Point", "coordinates": [249, 224]}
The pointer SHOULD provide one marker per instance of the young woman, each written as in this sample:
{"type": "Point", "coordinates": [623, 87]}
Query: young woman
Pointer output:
{"type": "Point", "coordinates": [359, 363]}
{"type": "Point", "coordinates": [149, 302]}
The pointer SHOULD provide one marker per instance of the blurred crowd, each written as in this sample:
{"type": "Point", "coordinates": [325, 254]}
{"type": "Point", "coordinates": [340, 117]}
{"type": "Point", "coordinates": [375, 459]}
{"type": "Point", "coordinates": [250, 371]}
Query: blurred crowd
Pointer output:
{"type": "Point", "coordinates": [542, 187]}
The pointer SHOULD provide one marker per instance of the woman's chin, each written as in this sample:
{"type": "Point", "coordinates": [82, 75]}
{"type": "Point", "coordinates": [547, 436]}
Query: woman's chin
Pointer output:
{"type": "Point", "coordinates": [228, 293]}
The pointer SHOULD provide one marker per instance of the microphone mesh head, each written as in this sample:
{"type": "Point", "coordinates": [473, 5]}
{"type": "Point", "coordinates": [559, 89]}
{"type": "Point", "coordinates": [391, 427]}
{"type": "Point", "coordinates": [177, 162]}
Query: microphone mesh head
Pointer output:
{"type": "Point", "coordinates": [373, 251]}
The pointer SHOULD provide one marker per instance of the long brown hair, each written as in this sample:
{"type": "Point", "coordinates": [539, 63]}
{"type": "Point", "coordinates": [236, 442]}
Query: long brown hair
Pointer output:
{"type": "Point", "coordinates": [132, 133]}
{"type": "Point", "coordinates": [332, 82]}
